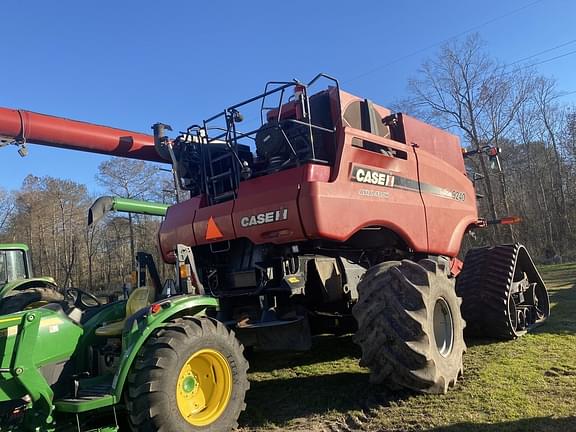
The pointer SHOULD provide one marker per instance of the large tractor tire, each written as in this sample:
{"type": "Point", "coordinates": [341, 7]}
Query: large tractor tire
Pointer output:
{"type": "Point", "coordinates": [18, 300]}
{"type": "Point", "coordinates": [503, 294]}
{"type": "Point", "coordinates": [189, 376]}
{"type": "Point", "coordinates": [409, 326]}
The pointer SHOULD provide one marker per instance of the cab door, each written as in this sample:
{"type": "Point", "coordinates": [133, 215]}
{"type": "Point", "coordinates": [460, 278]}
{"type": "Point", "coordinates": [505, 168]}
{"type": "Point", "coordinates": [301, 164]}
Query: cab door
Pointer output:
{"type": "Point", "coordinates": [447, 193]}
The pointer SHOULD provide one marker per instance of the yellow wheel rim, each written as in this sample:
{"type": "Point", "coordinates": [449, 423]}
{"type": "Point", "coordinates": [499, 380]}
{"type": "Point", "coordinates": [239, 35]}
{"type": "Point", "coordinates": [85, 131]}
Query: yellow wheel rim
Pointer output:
{"type": "Point", "coordinates": [204, 387]}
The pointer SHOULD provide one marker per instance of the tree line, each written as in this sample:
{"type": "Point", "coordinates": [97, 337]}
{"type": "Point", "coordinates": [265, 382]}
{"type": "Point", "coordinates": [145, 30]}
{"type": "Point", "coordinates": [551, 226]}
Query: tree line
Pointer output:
{"type": "Point", "coordinates": [514, 108]}
{"type": "Point", "coordinates": [461, 88]}
{"type": "Point", "coordinates": [50, 215]}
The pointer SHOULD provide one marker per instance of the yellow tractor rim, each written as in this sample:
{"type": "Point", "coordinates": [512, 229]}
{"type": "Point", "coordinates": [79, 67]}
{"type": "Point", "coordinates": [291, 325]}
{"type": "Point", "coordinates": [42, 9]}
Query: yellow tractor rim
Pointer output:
{"type": "Point", "coordinates": [204, 387]}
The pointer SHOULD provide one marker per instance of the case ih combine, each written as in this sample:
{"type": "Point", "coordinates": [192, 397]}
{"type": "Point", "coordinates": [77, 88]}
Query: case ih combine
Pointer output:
{"type": "Point", "coordinates": [331, 214]}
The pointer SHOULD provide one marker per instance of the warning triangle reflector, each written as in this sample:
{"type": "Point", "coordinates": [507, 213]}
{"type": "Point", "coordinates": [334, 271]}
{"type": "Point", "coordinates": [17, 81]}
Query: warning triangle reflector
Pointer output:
{"type": "Point", "coordinates": [212, 230]}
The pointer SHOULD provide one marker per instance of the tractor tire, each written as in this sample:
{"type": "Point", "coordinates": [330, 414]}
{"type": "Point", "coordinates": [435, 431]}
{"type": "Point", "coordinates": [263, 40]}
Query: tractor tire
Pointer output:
{"type": "Point", "coordinates": [409, 326]}
{"type": "Point", "coordinates": [17, 301]}
{"type": "Point", "coordinates": [189, 376]}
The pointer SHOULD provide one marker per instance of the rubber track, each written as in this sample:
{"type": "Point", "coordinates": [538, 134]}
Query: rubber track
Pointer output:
{"type": "Point", "coordinates": [484, 286]}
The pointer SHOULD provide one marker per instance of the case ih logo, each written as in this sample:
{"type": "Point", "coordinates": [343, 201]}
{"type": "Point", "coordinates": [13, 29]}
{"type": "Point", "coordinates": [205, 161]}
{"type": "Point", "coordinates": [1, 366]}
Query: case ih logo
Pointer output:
{"type": "Point", "coordinates": [373, 177]}
{"type": "Point", "coordinates": [380, 178]}
{"type": "Point", "coordinates": [264, 218]}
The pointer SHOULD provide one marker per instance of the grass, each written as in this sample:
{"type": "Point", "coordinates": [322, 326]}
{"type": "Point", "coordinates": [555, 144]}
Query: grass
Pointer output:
{"type": "Point", "coordinates": [523, 385]}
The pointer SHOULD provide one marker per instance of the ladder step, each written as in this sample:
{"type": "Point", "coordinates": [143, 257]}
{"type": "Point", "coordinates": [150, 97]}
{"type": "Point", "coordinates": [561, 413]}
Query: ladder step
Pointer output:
{"type": "Point", "coordinates": [220, 176]}
{"type": "Point", "coordinates": [221, 158]}
{"type": "Point", "coordinates": [224, 196]}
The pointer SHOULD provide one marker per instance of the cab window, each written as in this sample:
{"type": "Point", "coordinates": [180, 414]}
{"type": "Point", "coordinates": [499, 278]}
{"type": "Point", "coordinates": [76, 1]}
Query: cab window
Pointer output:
{"type": "Point", "coordinates": [12, 265]}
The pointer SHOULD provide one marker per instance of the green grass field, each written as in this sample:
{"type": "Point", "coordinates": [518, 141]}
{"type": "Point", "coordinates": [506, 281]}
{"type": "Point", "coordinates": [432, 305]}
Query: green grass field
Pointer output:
{"type": "Point", "coordinates": [523, 385]}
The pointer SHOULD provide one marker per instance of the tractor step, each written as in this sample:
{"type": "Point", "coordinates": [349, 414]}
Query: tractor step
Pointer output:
{"type": "Point", "coordinates": [89, 398]}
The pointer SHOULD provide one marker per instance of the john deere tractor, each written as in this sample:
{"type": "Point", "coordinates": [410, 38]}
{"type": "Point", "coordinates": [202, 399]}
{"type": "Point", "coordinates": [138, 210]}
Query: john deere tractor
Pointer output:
{"type": "Point", "coordinates": [69, 362]}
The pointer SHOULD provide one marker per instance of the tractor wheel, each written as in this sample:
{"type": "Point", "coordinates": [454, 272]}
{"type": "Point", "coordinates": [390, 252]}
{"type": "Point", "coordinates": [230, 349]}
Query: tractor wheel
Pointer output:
{"type": "Point", "coordinates": [29, 298]}
{"type": "Point", "coordinates": [409, 326]}
{"type": "Point", "coordinates": [189, 376]}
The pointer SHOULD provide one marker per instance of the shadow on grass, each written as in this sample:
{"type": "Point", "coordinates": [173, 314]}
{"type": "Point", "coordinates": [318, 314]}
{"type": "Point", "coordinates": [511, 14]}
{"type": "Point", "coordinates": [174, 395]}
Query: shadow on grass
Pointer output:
{"type": "Point", "coordinates": [562, 319]}
{"type": "Point", "coordinates": [538, 424]}
{"type": "Point", "coordinates": [310, 383]}
{"type": "Point", "coordinates": [325, 348]}
{"type": "Point", "coordinates": [277, 401]}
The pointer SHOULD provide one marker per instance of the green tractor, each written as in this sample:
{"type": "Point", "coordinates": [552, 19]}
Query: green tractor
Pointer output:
{"type": "Point", "coordinates": [148, 363]}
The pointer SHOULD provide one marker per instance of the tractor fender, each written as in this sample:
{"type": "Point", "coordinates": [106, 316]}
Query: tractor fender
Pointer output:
{"type": "Point", "coordinates": [147, 321]}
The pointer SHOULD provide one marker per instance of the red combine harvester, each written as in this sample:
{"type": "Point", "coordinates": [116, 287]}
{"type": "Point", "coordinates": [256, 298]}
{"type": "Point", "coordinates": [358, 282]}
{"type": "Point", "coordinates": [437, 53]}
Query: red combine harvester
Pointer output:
{"type": "Point", "coordinates": [331, 215]}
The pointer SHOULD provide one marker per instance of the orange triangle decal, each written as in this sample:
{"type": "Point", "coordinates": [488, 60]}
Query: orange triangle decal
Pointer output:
{"type": "Point", "coordinates": [212, 230]}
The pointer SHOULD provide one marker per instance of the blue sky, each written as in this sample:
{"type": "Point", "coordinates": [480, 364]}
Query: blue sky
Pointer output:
{"type": "Point", "coordinates": [129, 64]}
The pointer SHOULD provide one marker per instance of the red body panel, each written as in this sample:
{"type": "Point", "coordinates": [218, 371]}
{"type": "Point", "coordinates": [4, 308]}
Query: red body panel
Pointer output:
{"type": "Point", "coordinates": [441, 164]}
{"type": "Point", "coordinates": [221, 215]}
{"type": "Point", "coordinates": [276, 192]}
{"type": "Point", "coordinates": [187, 222]}
{"type": "Point", "coordinates": [434, 141]}
{"type": "Point", "coordinates": [338, 209]}
{"type": "Point", "coordinates": [429, 202]}
{"type": "Point", "coordinates": [178, 228]}
{"type": "Point", "coordinates": [447, 218]}
{"type": "Point", "coordinates": [70, 134]}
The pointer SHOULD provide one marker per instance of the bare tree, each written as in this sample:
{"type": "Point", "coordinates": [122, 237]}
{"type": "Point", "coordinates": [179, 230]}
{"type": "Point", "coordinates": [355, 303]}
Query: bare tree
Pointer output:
{"type": "Point", "coordinates": [49, 214]}
{"type": "Point", "coordinates": [6, 207]}
{"type": "Point", "coordinates": [553, 120]}
{"type": "Point", "coordinates": [129, 179]}
{"type": "Point", "coordinates": [464, 88]}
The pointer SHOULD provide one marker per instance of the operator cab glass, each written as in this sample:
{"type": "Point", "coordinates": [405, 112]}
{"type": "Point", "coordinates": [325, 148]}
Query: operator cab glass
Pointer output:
{"type": "Point", "coordinates": [12, 266]}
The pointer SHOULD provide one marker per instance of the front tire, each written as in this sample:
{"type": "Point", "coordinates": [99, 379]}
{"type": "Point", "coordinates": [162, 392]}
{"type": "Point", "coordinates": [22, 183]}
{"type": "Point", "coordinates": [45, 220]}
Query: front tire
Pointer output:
{"type": "Point", "coordinates": [189, 376]}
{"type": "Point", "coordinates": [409, 326]}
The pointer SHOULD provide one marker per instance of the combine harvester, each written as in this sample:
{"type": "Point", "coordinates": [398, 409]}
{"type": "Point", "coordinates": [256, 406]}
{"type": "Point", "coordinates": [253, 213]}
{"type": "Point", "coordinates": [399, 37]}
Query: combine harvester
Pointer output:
{"type": "Point", "coordinates": [332, 214]}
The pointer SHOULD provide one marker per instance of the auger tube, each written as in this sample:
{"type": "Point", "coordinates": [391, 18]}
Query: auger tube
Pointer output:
{"type": "Point", "coordinates": [106, 204]}
{"type": "Point", "coordinates": [20, 127]}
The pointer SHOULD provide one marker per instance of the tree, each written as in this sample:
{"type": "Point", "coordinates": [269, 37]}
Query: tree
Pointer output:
{"type": "Point", "coordinates": [553, 119]}
{"type": "Point", "coordinates": [463, 88]}
{"type": "Point", "coordinates": [49, 214]}
{"type": "Point", "coordinates": [6, 207]}
{"type": "Point", "coordinates": [130, 179]}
